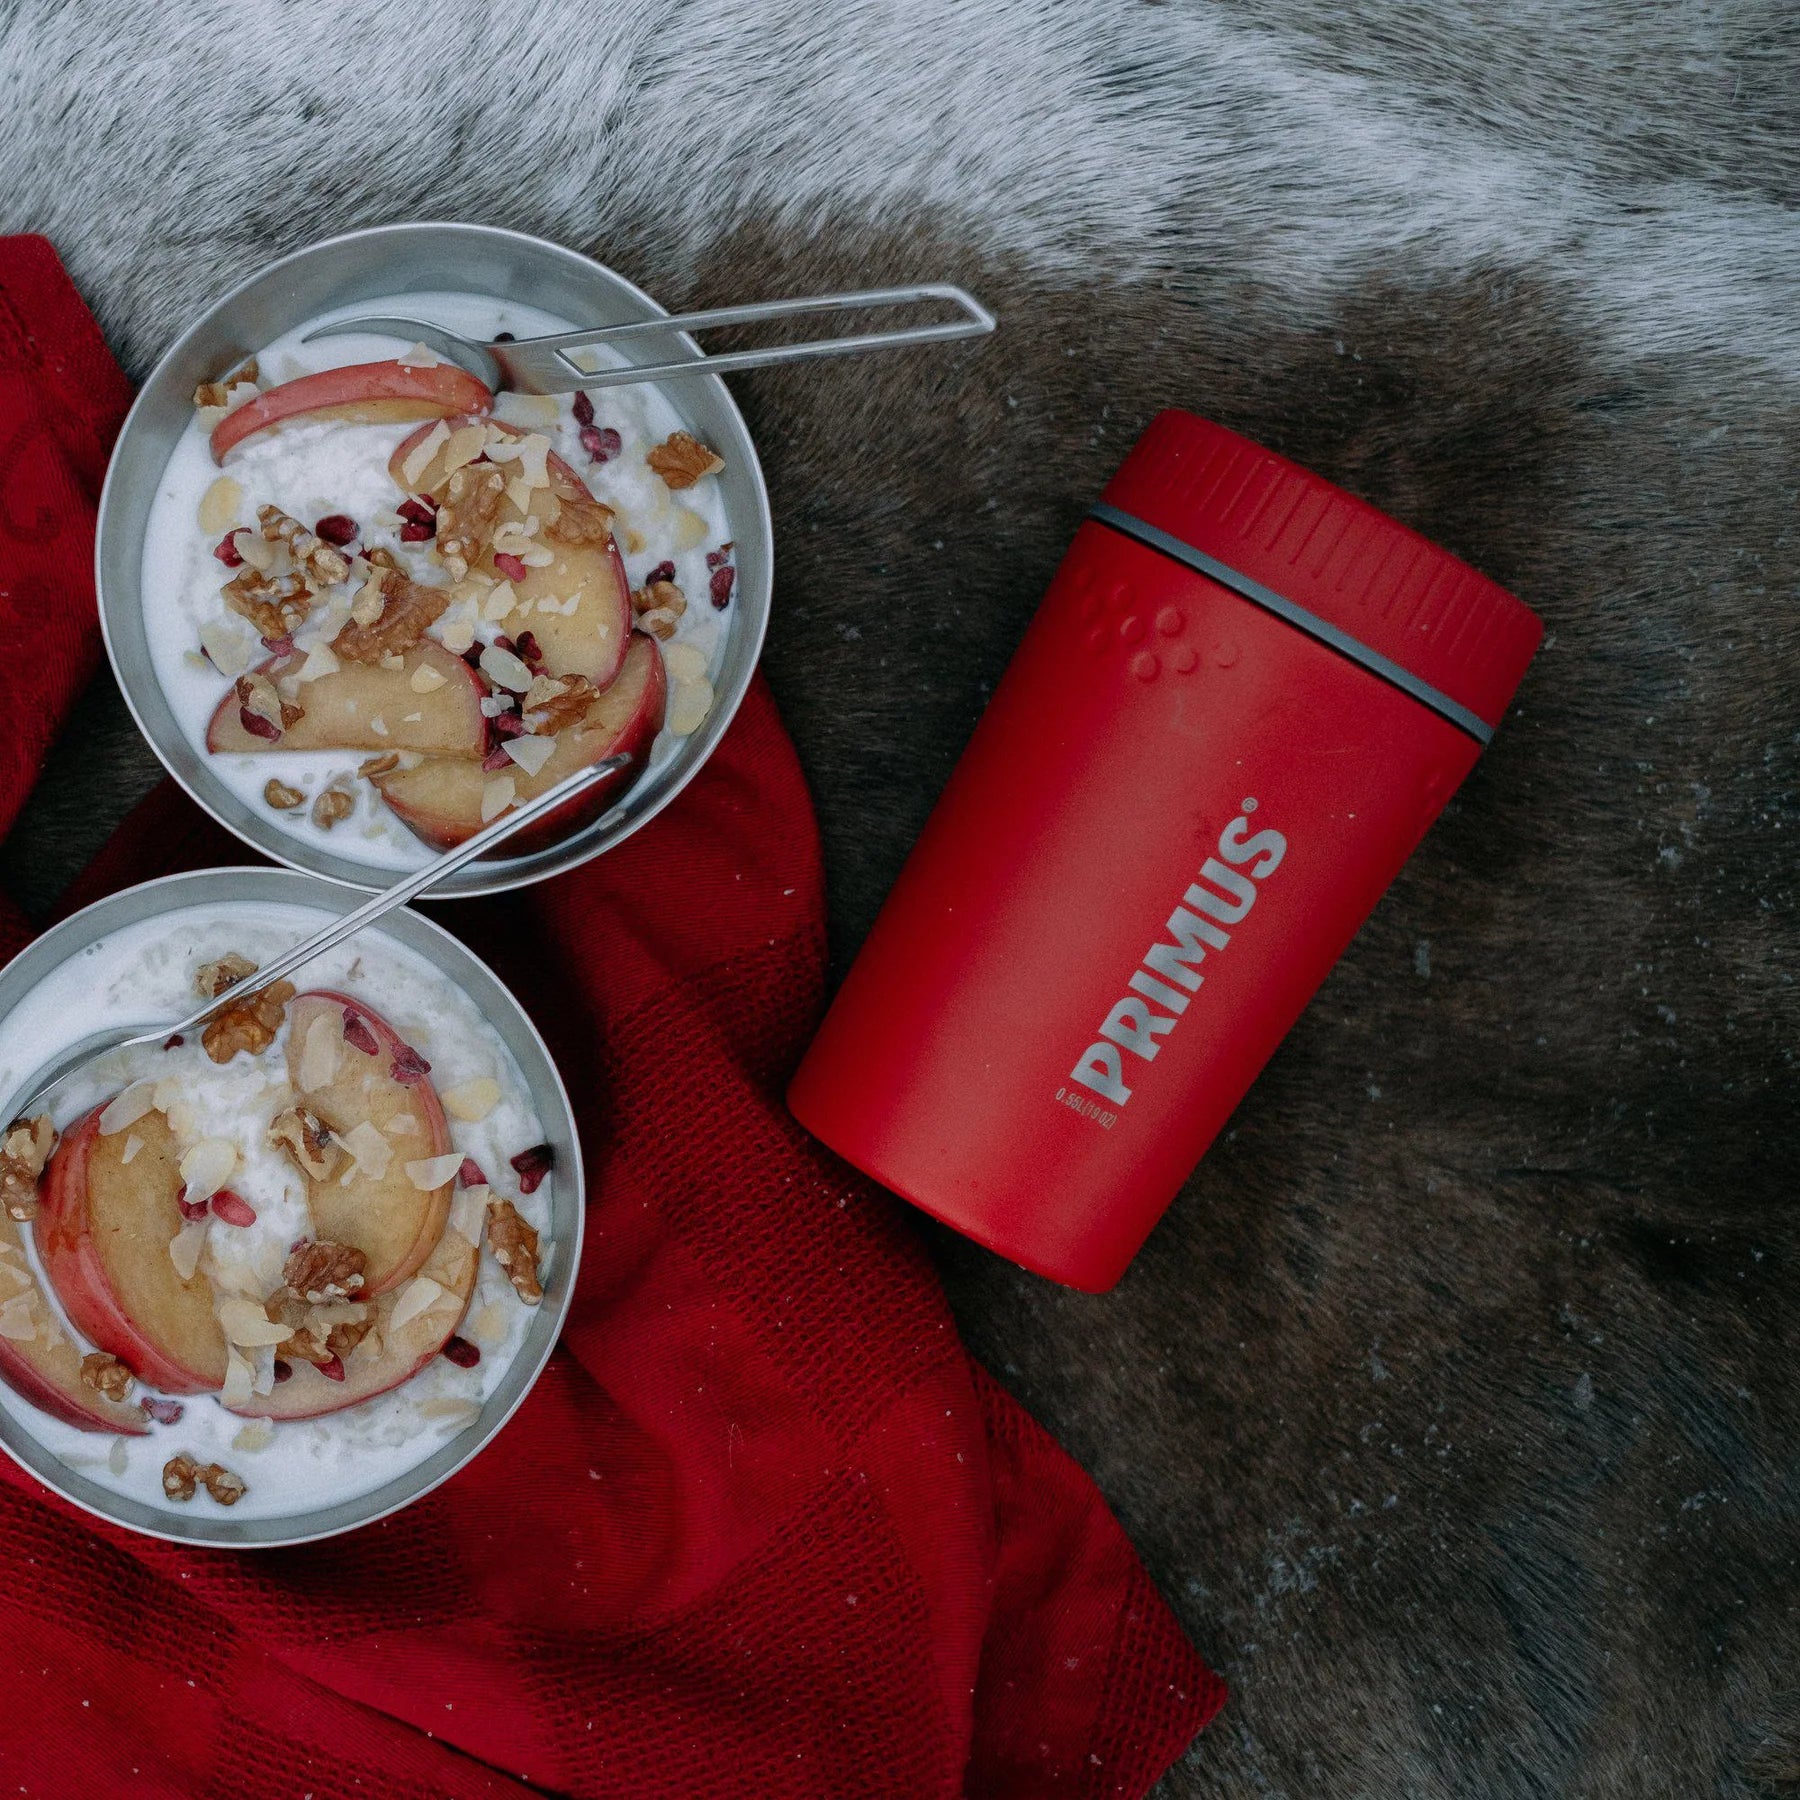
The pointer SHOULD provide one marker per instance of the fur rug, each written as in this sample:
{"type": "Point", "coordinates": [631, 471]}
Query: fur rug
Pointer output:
{"type": "Point", "coordinates": [1456, 1404]}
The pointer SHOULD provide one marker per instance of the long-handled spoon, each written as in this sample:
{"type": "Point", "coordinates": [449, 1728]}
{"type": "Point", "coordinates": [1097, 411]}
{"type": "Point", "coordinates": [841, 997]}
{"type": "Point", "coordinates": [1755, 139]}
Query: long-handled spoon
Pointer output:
{"type": "Point", "coordinates": [103, 1043]}
{"type": "Point", "coordinates": [547, 365]}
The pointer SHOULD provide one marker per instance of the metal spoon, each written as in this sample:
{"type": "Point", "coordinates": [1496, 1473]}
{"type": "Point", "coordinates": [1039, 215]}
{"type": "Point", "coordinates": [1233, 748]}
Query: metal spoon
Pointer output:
{"type": "Point", "coordinates": [77, 1056]}
{"type": "Point", "coordinates": [547, 365]}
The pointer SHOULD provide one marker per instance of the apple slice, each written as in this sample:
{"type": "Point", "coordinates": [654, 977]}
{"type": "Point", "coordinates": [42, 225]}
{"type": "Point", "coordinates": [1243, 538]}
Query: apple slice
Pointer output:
{"type": "Point", "coordinates": [377, 1209]}
{"type": "Point", "coordinates": [104, 1228]}
{"type": "Point", "coordinates": [374, 393]}
{"type": "Point", "coordinates": [440, 799]}
{"type": "Point", "coordinates": [592, 638]}
{"type": "Point", "coordinates": [341, 709]}
{"type": "Point", "coordinates": [38, 1358]}
{"type": "Point", "coordinates": [390, 1354]}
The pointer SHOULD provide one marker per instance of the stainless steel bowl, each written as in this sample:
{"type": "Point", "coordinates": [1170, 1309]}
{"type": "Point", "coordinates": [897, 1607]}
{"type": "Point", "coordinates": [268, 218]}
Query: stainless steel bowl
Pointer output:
{"type": "Point", "coordinates": [562, 1256]}
{"type": "Point", "coordinates": [395, 259]}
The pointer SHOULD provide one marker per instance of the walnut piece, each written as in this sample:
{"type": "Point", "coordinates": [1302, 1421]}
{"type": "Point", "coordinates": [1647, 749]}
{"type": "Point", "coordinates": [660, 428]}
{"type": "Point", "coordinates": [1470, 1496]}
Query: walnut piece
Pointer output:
{"type": "Point", "coordinates": [282, 797]}
{"type": "Point", "coordinates": [248, 1024]}
{"type": "Point", "coordinates": [318, 1331]}
{"type": "Point", "coordinates": [333, 804]}
{"type": "Point", "coordinates": [304, 1136]}
{"type": "Point", "coordinates": [181, 1475]}
{"type": "Point", "coordinates": [276, 605]}
{"type": "Point", "coordinates": [515, 1248]}
{"type": "Point", "coordinates": [408, 608]}
{"type": "Point", "coordinates": [258, 698]}
{"type": "Point", "coordinates": [24, 1150]}
{"type": "Point", "coordinates": [662, 596]}
{"type": "Point", "coordinates": [218, 393]}
{"type": "Point", "coordinates": [681, 460]}
{"type": "Point", "coordinates": [384, 764]}
{"type": "Point", "coordinates": [213, 978]}
{"type": "Point", "coordinates": [325, 564]}
{"type": "Point", "coordinates": [469, 515]}
{"type": "Point", "coordinates": [579, 517]}
{"type": "Point", "coordinates": [106, 1375]}
{"type": "Point", "coordinates": [226, 1488]}
{"type": "Point", "coordinates": [319, 1271]}
{"type": "Point", "coordinates": [555, 702]}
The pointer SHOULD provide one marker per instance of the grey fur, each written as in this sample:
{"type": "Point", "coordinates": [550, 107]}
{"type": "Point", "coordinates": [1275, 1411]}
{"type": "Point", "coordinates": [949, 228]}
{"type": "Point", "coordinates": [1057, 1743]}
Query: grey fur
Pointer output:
{"type": "Point", "coordinates": [1455, 1405]}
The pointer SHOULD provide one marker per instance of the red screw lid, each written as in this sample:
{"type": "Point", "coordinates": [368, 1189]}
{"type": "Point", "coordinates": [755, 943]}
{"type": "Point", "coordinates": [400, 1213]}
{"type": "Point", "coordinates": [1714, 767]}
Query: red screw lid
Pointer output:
{"type": "Point", "coordinates": [1322, 550]}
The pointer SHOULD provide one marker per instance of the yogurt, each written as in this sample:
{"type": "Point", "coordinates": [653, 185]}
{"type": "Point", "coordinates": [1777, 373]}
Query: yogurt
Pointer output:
{"type": "Point", "coordinates": [315, 467]}
{"type": "Point", "coordinates": [145, 972]}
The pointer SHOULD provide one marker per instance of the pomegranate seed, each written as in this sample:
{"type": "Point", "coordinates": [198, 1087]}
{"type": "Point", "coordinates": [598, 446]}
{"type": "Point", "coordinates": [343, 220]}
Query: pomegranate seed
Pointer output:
{"type": "Point", "coordinates": [284, 1371]}
{"type": "Point", "coordinates": [509, 565]}
{"type": "Point", "coordinates": [298, 1244]}
{"type": "Point", "coordinates": [531, 1166]}
{"type": "Point", "coordinates": [336, 528]}
{"type": "Point", "coordinates": [358, 1034]}
{"type": "Point", "coordinates": [422, 511]}
{"type": "Point", "coordinates": [175, 1042]}
{"type": "Point", "coordinates": [506, 725]}
{"type": "Point", "coordinates": [527, 651]}
{"type": "Point", "coordinates": [601, 442]}
{"type": "Point", "coordinates": [227, 552]}
{"type": "Point", "coordinates": [583, 408]}
{"type": "Point", "coordinates": [257, 725]}
{"type": "Point", "coordinates": [417, 534]}
{"type": "Point", "coordinates": [409, 1065]}
{"type": "Point", "coordinates": [190, 1209]}
{"type": "Point", "coordinates": [461, 1352]}
{"type": "Point", "coordinates": [234, 1209]}
{"type": "Point", "coordinates": [718, 558]}
{"type": "Point", "coordinates": [664, 571]}
{"type": "Point", "coordinates": [470, 1175]}
{"type": "Point", "coordinates": [332, 1368]}
{"type": "Point", "coordinates": [496, 760]}
{"type": "Point", "coordinates": [722, 578]}
{"type": "Point", "coordinates": [164, 1412]}
{"type": "Point", "coordinates": [281, 646]}
{"type": "Point", "coordinates": [472, 655]}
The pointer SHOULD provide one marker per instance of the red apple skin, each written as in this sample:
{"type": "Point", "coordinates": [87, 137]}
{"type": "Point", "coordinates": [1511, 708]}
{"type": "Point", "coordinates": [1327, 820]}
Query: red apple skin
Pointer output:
{"type": "Point", "coordinates": [73, 1262]}
{"type": "Point", "coordinates": [46, 1370]}
{"type": "Point", "coordinates": [407, 792]}
{"type": "Point", "coordinates": [417, 1097]}
{"type": "Point", "coordinates": [371, 392]}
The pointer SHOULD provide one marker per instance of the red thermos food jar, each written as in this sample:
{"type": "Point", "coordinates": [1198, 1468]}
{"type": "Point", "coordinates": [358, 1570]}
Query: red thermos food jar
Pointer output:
{"type": "Point", "coordinates": [1243, 700]}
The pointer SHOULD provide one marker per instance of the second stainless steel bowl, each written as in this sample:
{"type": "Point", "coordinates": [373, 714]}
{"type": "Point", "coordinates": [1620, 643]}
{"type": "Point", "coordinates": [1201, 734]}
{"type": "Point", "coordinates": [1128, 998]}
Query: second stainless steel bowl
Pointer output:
{"type": "Point", "coordinates": [366, 265]}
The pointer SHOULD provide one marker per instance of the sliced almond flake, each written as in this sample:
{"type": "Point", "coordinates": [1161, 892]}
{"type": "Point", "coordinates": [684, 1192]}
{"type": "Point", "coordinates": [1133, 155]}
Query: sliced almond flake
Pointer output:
{"type": "Point", "coordinates": [537, 559]}
{"type": "Point", "coordinates": [321, 659]}
{"type": "Point", "coordinates": [418, 459]}
{"type": "Point", "coordinates": [497, 796]}
{"type": "Point", "coordinates": [468, 1212]}
{"type": "Point", "coordinates": [690, 529]}
{"type": "Point", "coordinates": [534, 460]}
{"type": "Point", "coordinates": [261, 553]}
{"type": "Point", "coordinates": [226, 647]}
{"type": "Point", "coordinates": [472, 1101]}
{"type": "Point", "coordinates": [518, 491]}
{"type": "Point", "coordinates": [393, 660]}
{"type": "Point", "coordinates": [426, 680]}
{"type": "Point", "coordinates": [688, 706]}
{"type": "Point", "coordinates": [411, 718]}
{"type": "Point", "coordinates": [401, 1125]}
{"type": "Point", "coordinates": [463, 446]}
{"type": "Point", "coordinates": [219, 505]}
{"type": "Point", "coordinates": [258, 1434]}
{"type": "Point", "coordinates": [369, 1147]}
{"type": "Point", "coordinates": [322, 1051]}
{"type": "Point", "coordinates": [457, 634]}
{"type": "Point", "coordinates": [239, 1377]}
{"type": "Point", "coordinates": [502, 446]}
{"type": "Point", "coordinates": [378, 725]}
{"type": "Point", "coordinates": [527, 409]}
{"type": "Point", "coordinates": [208, 1166]}
{"type": "Point", "coordinates": [133, 1145]}
{"type": "Point", "coordinates": [506, 669]}
{"type": "Point", "coordinates": [127, 1108]}
{"type": "Point", "coordinates": [489, 1326]}
{"type": "Point", "coordinates": [263, 1381]}
{"type": "Point", "coordinates": [117, 1458]}
{"type": "Point", "coordinates": [420, 356]}
{"type": "Point", "coordinates": [418, 1296]}
{"type": "Point", "coordinates": [22, 1277]}
{"type": "Point", "coordinates": [684, 662]}
{"type": "Point", "coordinates": [431, 1172]}
{"type": "Point", "coordinates": [530, 753]}
{"type": "Point", "coordinates": [16, 1321]}
{"type": "Point", "coordinates": [245, 1323]}
{"type": "Point", "coordinates": [455, 1414]}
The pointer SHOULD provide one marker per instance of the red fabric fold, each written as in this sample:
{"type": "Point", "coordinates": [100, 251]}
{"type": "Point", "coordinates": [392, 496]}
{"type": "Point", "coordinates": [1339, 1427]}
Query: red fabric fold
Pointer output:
{"type": "Point", "coordinates": [762, 1528]}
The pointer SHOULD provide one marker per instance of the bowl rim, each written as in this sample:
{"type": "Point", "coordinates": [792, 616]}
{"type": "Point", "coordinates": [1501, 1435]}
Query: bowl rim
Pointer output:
{"type": "Point", "coordinates": [644, 799]}
{"type": "Point", "coordinates": [568, 1195]}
